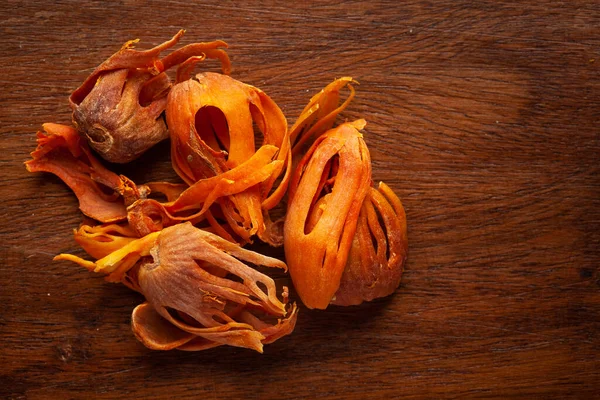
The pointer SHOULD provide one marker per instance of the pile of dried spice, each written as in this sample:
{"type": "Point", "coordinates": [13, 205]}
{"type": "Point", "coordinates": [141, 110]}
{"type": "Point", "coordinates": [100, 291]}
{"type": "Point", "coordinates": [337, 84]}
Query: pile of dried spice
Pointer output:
{"type": "Point", "coordinates": [344, 239]}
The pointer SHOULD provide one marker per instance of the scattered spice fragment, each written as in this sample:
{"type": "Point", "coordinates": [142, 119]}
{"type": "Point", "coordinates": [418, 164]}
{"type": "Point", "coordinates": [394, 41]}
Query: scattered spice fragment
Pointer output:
{"type": "Point", "coordinates": [102, 194]}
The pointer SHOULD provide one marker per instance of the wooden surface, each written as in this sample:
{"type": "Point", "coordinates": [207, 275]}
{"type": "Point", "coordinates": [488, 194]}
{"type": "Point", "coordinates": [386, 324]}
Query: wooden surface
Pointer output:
{"type": "Point", "coordinates": [482, 116]}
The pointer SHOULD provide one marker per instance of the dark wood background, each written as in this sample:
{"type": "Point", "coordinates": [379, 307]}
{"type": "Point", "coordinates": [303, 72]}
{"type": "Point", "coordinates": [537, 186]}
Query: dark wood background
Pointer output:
{"type": "Point", "coordinates": [483, 117]}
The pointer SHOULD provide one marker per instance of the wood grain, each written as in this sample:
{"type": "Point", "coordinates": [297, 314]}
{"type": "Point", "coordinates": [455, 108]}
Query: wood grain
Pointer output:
{"type": "Point", "coordinates": [482, 116]}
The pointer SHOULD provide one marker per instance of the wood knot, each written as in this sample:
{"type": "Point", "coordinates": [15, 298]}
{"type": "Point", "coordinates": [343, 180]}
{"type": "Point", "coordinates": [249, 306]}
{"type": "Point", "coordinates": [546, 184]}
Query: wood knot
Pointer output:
{"type": "Point", "coordinates": [65, 352]}
{"type": "Point", "coordinates": [586, 273]}
{"type": "Point", "coordinates": [74, 350]}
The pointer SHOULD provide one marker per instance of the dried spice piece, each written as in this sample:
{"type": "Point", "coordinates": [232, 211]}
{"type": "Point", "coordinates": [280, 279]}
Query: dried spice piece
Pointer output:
{"type": "Point", "coordinates": [214, 150]}
{"type": "Point", "coordinates": [102, 194]}
{"type": "Point", "coordinates": [199, 291]}
{"type": "Point", "coordinates": [326, 193]}
{"type": "Point", "coordinates": [345, 241]}
{"type": "Point", "coordinates": [193, 204]}
{"type": "Point", "coordinates": [379, 250]}
{"type": "Point", "coordinates": [118, 107]}
{"type": "Point", "coordinates": [379, 247]}
{"type": "Point", "coordinates": [101, 240]}
{"type": "Point", "coordinates": [319, 114]}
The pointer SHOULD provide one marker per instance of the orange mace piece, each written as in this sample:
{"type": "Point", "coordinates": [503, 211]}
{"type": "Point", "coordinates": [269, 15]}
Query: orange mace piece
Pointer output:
{"type": "Point", "coordinates": [102, 194]}
{"type": "Point", "coordinates": [217, 151]}
{"type": "Point", "coordinates": [319, 114]}
{"type": "Point", "coordinates": [379, 250]}
{"type": "Point", "coordinates": [199, 291]}
{"type": "Point", "coordinates": [325, 197]}
{"type": "Point", "coordinates": [119, 107]}
{"type": "Point", "coordinates": [338, 272]}
{"type": "Point", "coordinates": [101, 240]}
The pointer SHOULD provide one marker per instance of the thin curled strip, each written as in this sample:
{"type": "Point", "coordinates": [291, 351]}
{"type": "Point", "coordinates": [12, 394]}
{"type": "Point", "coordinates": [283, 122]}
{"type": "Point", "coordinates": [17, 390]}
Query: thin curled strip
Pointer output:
{"type": "Point", "coordinates": [198, 198]}
{"type": "Point", "coordinates": [319, 114]}
{"type": "Point", "coordinates": [101, 240]}
{"type": "Point", "coordinates": [199, 51]}
{"type": "Point", "coordinates": [184, 274]}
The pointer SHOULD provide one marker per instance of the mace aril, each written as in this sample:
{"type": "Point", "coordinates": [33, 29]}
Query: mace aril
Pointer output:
{"type": "Point", "coordinates": [320, 114]}
{"type": "Point", "coordinates": [379, 250]}
{"type": "Point", "coordinates": [339, 273]}
{"type": "Point", "coordinates": [102, 194]}
{"type": "Point", "coordinates": [101, 240]}
{"type": "Point", "coordinates": [200, 290]}
{"type": "Point", "coordinates": [235, 175]}
{"type": "Point", "coordinates": [119, 107]}
{"type": "Point", "coordinates": [326, 193]}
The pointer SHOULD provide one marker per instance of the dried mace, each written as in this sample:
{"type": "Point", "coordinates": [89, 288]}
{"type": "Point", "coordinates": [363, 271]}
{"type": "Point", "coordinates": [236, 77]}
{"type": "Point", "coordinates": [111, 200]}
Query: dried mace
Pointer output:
{"type": "Point", "coordinates": [102, 194]}
{"type": "Point", "coordinates": [118, 107]}
{"type": "Point", "coordinates": [231, 167]}
{"type": "Point", "coordinates": [325, 197]}
{"type": "Point", "coordinates": [379, 249]}
{"type": "Point", "coordinates": [199, 289]}
{"type": "Point", "coordinates": [336, 253]}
